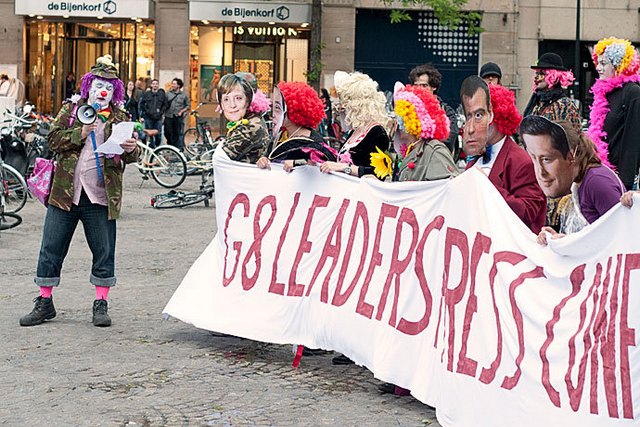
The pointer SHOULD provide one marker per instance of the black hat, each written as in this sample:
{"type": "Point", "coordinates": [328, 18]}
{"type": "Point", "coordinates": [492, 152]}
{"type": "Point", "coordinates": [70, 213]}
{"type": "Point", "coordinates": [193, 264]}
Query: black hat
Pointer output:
{"type": "Point", "coordinates": [549, 61]}
{"type": "Point", "coordinates": [490, 69]}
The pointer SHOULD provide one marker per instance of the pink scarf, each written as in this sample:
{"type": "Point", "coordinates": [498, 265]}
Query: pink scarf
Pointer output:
{"type": "Point", "coordinates": [600, 109]}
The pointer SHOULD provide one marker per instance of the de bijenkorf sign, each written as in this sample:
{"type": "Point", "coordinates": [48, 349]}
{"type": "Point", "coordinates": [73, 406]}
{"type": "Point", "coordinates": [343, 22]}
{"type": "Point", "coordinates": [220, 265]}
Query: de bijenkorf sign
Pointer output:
{"type": "Point", "coordinates": [281, 13]}
{"type": "Point", "coordinates": [85, 8]}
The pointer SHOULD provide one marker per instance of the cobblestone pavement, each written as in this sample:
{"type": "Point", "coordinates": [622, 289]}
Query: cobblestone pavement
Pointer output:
{"type": "Point", "coordinates": [144, 371]}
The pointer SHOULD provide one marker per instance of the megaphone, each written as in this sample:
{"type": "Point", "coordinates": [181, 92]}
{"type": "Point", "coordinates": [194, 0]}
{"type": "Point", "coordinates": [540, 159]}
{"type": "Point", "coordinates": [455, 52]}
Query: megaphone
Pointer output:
{"type": "Point", "coordinates": [86, 114]}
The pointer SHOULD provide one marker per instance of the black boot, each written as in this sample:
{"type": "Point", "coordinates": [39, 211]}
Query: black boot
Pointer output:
{"type": "Point", "coordinates": [43, 310]}
{"type": "Point", "coordinates": [100, 316]}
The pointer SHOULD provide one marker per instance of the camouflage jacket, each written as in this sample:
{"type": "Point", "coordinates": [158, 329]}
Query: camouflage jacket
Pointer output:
{"type": "Point", "coordinates": [247, 142]}
{"type": "Point", "coordinates": [65, 142]}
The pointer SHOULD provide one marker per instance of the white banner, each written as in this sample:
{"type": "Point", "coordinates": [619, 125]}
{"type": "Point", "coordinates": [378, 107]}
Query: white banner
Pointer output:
{"type": "Point", "coordinates": [434, 286]}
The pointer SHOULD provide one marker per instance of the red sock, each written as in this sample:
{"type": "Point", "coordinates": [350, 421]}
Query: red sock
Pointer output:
{"type": "Point", "coordinates": [45, 291]}
{"type": "Point", "coordinates": [102, 292]}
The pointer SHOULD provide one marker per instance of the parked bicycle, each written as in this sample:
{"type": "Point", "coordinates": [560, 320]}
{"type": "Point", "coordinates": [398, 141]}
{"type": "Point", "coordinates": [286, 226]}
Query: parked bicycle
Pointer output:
{"type": "Point", "coordinates": [12, 197]}
{"type": "Point", "coordinates": [180, 199]}
{"type": "Point", "coordinates": [165, 163]}
{"type": "Point", "coordinates": [199, 139]}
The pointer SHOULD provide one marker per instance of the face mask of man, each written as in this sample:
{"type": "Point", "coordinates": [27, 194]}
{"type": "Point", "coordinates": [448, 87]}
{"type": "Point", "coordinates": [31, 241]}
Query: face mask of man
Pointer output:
{"type": "Point", "coordinates": [100, 93]}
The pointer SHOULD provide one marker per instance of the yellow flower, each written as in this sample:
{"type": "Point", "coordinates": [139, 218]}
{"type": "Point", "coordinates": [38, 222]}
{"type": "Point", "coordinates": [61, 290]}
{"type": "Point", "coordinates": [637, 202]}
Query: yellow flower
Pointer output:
{"type": "Point", "coordinates": [381, 162]}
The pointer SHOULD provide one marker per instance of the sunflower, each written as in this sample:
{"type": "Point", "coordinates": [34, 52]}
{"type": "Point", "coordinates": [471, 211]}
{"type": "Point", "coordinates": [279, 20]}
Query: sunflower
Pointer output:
{"type": "Point", "coordinates": [381, 162]}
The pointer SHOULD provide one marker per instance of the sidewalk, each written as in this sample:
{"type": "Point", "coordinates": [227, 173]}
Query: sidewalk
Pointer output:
{"type": "Point", "coordinates": [145, 371]}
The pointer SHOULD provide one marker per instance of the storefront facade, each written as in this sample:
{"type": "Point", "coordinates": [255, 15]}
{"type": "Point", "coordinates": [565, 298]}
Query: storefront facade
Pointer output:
{"type": "Point", "coordinates": [267, 39]}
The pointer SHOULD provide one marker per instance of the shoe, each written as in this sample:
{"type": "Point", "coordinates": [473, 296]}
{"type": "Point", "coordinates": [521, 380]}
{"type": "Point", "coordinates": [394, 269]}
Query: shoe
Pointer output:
{"type": "Point", "coordinates": [100, 316]}
{"type": "Point", "coordinates": [342, 360]}
{"type": "Point", "coordinates": [43, 310]}
{"type": "Point", "coordinates": [387, 388]}
{"type": "Point", "coordinates": [313, 351]}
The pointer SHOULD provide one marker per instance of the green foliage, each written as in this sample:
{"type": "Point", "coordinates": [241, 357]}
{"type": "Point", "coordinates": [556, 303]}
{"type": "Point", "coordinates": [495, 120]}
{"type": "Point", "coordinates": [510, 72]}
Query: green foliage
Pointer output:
{"type": "Point", "coordinates": [449, 13]}
{"type": "Point", "coordinates": [313, 74]}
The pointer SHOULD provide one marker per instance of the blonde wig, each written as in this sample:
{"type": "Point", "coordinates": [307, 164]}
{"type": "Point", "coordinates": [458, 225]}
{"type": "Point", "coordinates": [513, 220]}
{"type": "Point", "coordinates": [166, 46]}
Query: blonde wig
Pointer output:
{"type": "Point", "coordinates": [362, 101]}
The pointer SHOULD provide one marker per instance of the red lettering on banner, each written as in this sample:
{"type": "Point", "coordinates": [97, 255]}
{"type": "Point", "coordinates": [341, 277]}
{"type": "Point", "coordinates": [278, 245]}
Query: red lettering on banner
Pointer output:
{"type": "Point", "coordinates": [240, 199]}
{"type": "Point", "coordinates": [607, 349]}
{"type": "Point", "coordinates": [386, 211]}
{"type": "Point", "coordinates": [488, 374]}
{"type": "Point", "coordinates": [576, 277]}
{"type": "Point", "coordinates": [466, 365]}
{"type": "Point", "coordinates": [330, 250]}
{"type": "Point", "coordinates": [360, 216]}
{"type": "Point", "coordinates": [414, 328]}
{"type": "Point", "coordinates": [537, 272]}
{"type": "Point", "coordinates": [575, 393]}
{"type": "Point", "coordinates": [398, 266]}
{"type": "Point", "coordinates": [258, 235]}
{"type": "Point", "coordinates": [296, 289]}
{"type": "Point", "coordinates": [275, 287]}
{"type": "Point", "coordinates": [627, 336]}
{"type": "Point", "coordinates": [457, 238]}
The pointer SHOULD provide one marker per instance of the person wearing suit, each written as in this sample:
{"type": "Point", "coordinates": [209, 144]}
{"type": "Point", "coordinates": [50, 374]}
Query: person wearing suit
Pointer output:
{"type": "Point", "coordinates": [491, 117]}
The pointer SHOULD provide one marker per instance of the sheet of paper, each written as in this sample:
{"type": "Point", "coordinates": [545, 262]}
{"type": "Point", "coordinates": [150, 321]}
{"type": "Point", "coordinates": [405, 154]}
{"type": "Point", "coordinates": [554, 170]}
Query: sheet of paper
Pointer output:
{"type": "Point", "coordinates": [119, 133]}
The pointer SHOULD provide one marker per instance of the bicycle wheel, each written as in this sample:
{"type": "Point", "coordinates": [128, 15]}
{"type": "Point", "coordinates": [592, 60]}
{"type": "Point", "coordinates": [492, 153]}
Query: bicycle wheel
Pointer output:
{"type": "Point", "coordinates": [15, 189]}
{"type": "Point", "coordinates": [192, 142]}
{"type": "Point", "coordinates": [169, 167]}
{"type": "Point", "coordinates": [181, 200]}
{"type": "Point", "coordinates": [9, 220]}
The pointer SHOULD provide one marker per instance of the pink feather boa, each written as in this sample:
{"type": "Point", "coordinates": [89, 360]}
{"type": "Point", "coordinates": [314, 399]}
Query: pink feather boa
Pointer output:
{"type": "Point", "coordinates": [600, 109]}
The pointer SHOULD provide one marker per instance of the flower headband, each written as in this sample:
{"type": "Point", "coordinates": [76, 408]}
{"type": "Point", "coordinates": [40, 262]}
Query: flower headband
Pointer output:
{"type": "Point", "coordinates": [620, 52]}
{"type": "Point", "coordinates": [418, 113]}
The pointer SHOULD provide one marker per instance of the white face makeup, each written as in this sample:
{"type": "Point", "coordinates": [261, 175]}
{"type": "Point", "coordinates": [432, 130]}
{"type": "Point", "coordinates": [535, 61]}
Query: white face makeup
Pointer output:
{"type": "Point", "coordinates": [604, 68]}
{"type": "Point", "coordinates": [100, 93]}
{"type": "Point", "coordinates": [278, 111]}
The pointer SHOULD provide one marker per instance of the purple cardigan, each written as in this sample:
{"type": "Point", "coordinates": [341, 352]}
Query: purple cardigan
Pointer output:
{"type": "Point", "coordinates": [599, 191]}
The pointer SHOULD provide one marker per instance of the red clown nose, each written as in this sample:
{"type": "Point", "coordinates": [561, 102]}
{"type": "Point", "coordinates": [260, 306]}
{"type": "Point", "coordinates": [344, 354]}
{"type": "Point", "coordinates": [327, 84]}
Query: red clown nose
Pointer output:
{"type": "Point", "coordinates": [104, 94]}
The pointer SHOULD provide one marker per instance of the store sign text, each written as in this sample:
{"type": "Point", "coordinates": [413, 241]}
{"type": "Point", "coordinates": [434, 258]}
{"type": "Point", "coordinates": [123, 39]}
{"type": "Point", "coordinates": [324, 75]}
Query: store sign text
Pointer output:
{"type": "Point", "coordinates": [265, 31]}
{"type": "Point", "coordinates": [282, 12]}
{"type": "Point", "coordinates": [109, 7]}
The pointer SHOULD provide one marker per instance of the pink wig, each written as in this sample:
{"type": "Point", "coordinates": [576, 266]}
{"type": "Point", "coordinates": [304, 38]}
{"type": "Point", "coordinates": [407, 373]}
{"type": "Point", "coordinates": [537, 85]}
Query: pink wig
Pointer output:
{"type": "Point", "coordinates": [118, 88]}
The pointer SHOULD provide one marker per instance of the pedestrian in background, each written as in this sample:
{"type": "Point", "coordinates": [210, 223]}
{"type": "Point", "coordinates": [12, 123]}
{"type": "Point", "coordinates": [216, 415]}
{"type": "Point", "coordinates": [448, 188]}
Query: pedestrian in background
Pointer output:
{"type": "Point", "coordinates": [152, 106]}
{"type": "Point", "coordinates": [178, 105]}
{"type": "Point", "coordinates": [491, 73]}
{"type": "Point", "coordinates": [428, 77]}
{"type": "Point", "coordinates": [131, 99]}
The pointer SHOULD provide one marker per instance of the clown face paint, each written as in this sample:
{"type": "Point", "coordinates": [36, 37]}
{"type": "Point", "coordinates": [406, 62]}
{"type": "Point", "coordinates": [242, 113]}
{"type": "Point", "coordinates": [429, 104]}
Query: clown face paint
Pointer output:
{"type": "Point", "coordinates": [278, 112]}
{"type": "Point", "coordinates": [100, 93]}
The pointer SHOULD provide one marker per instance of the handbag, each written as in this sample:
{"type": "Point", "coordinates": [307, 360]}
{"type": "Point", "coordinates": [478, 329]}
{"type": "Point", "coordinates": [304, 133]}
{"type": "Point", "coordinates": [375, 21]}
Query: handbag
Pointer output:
{"type": "Point", "coordinates": [41, 179]}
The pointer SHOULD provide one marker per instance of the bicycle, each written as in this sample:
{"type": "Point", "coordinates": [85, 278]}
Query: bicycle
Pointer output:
{"type": "Point", "coordinates": [8, 192]}
{"type": "Point", "coordinates": [199, 140]}
{"type": "Point", "coordinates": [180, 199]}
{"type": "Point", "coordinates": [166, 164]}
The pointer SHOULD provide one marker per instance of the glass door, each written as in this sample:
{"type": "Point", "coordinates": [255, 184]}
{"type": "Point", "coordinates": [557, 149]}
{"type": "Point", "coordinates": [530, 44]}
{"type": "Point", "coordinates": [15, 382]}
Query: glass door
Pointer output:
{"type": "Point", "coordinates": [258, 59]}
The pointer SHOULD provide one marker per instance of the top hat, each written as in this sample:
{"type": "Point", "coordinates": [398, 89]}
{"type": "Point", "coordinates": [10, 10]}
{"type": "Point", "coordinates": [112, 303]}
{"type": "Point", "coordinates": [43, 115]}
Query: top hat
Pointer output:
{"type": "Point", "coordinates": [490, 69]}
{"type": "Point", "coordinates": [549, 61]}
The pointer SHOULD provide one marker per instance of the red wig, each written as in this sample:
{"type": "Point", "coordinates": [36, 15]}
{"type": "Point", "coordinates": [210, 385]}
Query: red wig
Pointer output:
{"type": "Point", "coordinates": [506, 116]}
{"type": "Point", "coordinates": [304, 106]}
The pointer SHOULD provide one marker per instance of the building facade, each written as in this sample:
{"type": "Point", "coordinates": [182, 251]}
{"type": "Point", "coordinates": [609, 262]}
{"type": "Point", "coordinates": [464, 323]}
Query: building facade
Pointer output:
{"type": "Point", "coordinates": [49, 44]}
